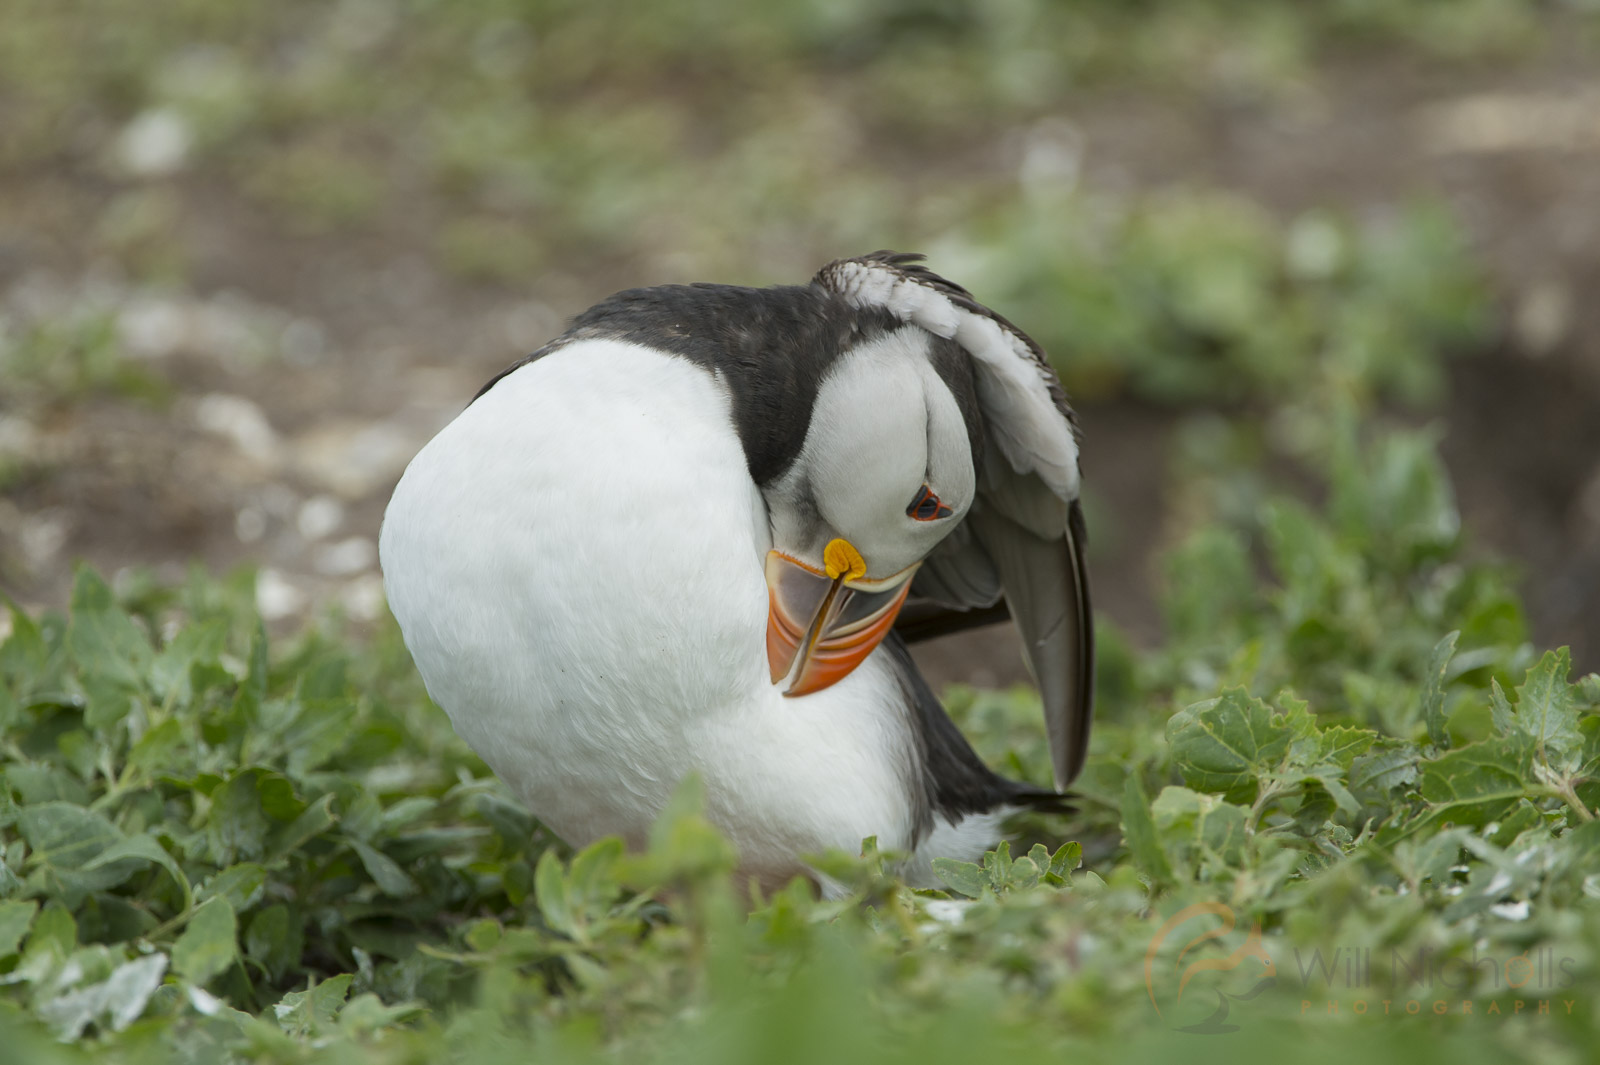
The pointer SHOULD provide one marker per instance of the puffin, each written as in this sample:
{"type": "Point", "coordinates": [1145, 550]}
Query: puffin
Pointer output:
{"type": "Point", "coordinates": [695, 533]}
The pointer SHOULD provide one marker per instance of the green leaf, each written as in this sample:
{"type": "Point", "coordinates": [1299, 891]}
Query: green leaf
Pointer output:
{"type": "Point", "coordinates": [1384, 770]}
{"type": "Point", "coordinates": [1334, 784]}
{"type": "Point", "coordinates": [145, 847]}
{"type": "Point", "coordinates": [130, 988]}
{"type": "Point", "coordinates": [54, 931]}
{"type": "Point", "coordinates": [1340, 746]}
{"type": "Point", "coordinates": [1226, 744]}
{"type": "Point", "coordinates": [66, 840]}
{"type": "Point", "coordinates": [1039, 855]}
{"type": "Point", "coordinates": [965, 878]}
{"type": "Point", "coordinates": [15, 917]}
{"type": "Point", "coordinates": [121, 998]}
{"type": "Point", "coordinates": [368, 1013]}
{"type": "Point", "coordinates": [1588, 690]}
{"type": "Point", "coordinates": [23, 654]}
{"type": "Point", "coordinates": [1024, 873]}
{"type": "Point", "coordinates": [41, 783]}
{"type": "Point", "coordinates": [1504, 718]}
{"type": "Point", "coordinates": [1546, 713]}
{"type": "Point", "coordinates": [311, 823]}
{"type": "Point", "coordinates": [241, 885]}
{"type": "Point", "coordinates": [550, 888]}
{"type": "Point", "coordinates": [997, 866]}
{"type": "Point", "coordinates": [159, 747]}
{"type": "Point", "coordinates": [688, 800]}
{"type": "Point", "coordinates": [591, 881]}
{"type": "Point", "coordinates": [1473, 785]}
{"type": "Point", "coordinates": [323, 729]}
{"type": "Point", "coordinates": [309, 1013]}
{"type": "Point", "coordinates": [112, 653]}
{"type": "Point", "coordinates": [1067, 857]}
{"type": "Point", "coordinates": [196, 644]}
{"type": "Point", "coordinates": [1316, 807]}
{"type": "Point", "coordinates": [209, 943]}
{"type": "Point", "coordinates": [1194, 827]}
{"type": "Point", "coordinates": [275, 940]}
{"type": "Point", "coordinates": [1433, 690]}
{"type": "Point", "coordinates": [66, 835]}
{"type": "Point", "coordinates": [238, 824]}
{"type": "Point", "coordinates": [1430, 858]}
{"type": "Point", "coordinates": [1521, 818]}
{"type": "Point", "coordinates": [483, 936]}
{"type": "Point", "coordinates": [1139, 832]}
{"type": "Point", "coordinates": [255, 678]}
{"type": "Point", "coordinates": [389, 877]}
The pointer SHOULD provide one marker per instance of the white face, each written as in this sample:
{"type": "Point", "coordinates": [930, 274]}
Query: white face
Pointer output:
{"type": "Point", "coordinates": [885, 426]}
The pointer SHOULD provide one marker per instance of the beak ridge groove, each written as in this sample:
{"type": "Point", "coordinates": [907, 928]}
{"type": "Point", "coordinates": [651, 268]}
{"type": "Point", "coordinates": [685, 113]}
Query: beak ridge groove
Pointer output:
{"type": "Point", "coordinates": [820, 628]}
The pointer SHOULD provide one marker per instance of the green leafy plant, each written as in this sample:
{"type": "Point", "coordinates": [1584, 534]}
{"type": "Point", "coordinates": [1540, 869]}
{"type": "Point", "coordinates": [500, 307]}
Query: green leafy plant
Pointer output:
{"type": "Point", "coordinates": [217, 851]}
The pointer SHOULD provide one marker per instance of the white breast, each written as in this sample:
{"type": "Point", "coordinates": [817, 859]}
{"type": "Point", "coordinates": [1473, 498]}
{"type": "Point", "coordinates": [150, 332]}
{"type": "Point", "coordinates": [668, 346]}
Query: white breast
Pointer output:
{"type": "Point", "coordinates": [576, 565]}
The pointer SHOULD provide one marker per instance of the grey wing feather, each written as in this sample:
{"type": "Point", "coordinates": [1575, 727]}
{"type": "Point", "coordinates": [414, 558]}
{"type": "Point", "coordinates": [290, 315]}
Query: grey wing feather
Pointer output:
{"type": "Point", "coordinates": [955, 575]}
{"type": "Point", "coordinates": [1036, 543]}
{"type": "Point", "coordinates": [1047, 591]}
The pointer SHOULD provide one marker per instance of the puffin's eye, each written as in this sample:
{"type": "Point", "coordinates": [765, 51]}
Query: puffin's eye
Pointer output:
{"type": "Point", "coordinates": [926, 507]}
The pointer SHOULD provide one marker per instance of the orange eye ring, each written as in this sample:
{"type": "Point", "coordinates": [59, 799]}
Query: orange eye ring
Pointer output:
{"type": "Point", "coordinates": [927, 507]}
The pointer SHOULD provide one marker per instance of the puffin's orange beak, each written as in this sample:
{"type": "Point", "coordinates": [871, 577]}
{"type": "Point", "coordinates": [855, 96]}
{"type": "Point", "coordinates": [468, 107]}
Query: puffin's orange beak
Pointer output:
{"type": "Point", "coordinates": [821, 624]}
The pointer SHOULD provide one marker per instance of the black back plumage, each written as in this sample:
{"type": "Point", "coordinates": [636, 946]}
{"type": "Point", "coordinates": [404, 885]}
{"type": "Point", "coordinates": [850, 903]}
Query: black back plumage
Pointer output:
{"type": "Point", "coordinates": [772, 347]}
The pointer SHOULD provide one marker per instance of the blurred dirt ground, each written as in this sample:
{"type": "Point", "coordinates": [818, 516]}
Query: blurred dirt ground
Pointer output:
{"type": "Point", "coordinates": [285, 459]}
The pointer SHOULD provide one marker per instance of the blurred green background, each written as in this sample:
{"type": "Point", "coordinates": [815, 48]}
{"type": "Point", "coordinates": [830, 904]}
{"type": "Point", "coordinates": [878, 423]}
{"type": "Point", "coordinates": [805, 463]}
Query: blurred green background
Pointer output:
{"type": "Point", "coordinates": [252, 255]}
